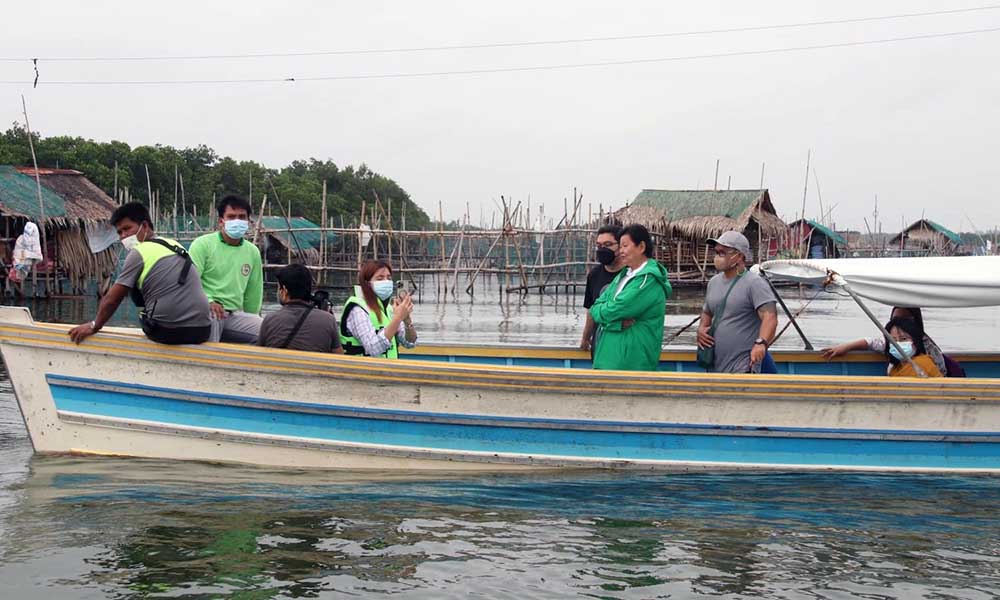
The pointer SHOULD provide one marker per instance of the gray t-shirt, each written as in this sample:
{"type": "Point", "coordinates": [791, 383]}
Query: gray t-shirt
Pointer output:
{"type": "Point", "coordinates": [319, 332]}
{"type": "Point", "coordinates": [167, 302]}
{"type": "Point", "coordinates": [739, 327]}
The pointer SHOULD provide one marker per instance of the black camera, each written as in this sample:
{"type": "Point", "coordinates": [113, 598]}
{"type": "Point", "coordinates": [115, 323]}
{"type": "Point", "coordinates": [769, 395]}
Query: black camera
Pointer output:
{"type": "Point", "coordinates": [321, 300]}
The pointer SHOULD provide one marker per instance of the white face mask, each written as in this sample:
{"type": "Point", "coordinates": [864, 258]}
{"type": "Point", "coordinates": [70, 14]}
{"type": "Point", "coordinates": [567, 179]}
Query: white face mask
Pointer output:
{"type": "Point", "coordinates": [383, 289]}
{"type": "Point", "coordinates": [906, 346]}
{"type": "Point", "coordinates": [133, 240]}
{"type": "Point", "coordinates": [130, 242]}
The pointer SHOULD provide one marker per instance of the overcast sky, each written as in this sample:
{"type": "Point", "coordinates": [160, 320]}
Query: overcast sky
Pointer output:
{"type": "Point", "coordinates": [915, 122]}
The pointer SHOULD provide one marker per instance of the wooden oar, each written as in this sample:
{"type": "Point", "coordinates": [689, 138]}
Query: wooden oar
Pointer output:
{"type": "Point", "coordinates": [682, 330]}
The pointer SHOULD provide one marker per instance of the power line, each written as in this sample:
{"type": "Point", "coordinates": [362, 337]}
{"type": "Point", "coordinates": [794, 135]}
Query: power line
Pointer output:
{"type": "Point", "coordinates": [301, 54]}
{"type": "Point", "coordinates": [636, 61]}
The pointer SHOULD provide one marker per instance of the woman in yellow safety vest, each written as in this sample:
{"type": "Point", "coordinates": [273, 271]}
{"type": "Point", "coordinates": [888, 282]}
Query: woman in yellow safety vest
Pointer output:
{"type": "Point", "coordinates": [371, 324]}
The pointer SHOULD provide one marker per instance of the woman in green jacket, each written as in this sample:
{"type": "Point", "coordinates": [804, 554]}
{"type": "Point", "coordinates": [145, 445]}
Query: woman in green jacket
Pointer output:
{"type": "Point", "coordinates": [630, 311]}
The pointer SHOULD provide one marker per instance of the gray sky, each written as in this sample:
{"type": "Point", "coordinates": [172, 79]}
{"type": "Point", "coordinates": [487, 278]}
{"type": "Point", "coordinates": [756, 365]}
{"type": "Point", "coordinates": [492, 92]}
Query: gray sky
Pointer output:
{"type": "Point", "coordinates": [915, 122]}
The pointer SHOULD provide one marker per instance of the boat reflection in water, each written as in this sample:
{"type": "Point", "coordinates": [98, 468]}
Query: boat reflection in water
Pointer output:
{"type": "Point", "coordinates": [130, 526]}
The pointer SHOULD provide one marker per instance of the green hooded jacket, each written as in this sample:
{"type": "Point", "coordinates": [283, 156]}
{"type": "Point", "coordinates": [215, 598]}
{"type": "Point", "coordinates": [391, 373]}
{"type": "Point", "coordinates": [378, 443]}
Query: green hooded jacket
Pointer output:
{"type": "Point", "coordinates": [636, 348]}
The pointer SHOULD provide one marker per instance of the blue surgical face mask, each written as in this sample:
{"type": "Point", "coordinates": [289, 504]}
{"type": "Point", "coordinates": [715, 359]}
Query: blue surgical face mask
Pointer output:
{"type": "Point", "coordinates": [236, 228]}
{"type": "Point", "coordinates": [907, 347]}
{"type": "Point", "coordinates": [384, 288]}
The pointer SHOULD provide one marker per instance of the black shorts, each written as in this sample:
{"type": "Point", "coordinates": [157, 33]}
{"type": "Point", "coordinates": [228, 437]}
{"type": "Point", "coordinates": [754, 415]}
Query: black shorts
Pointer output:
{"type": "Point", "coordinates": [175, 335]}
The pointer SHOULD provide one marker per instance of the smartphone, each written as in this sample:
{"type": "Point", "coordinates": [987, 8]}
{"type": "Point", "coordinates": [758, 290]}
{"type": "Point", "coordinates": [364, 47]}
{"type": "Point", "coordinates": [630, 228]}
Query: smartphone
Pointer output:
{"type": "Point", "coordinates": [401, 292]}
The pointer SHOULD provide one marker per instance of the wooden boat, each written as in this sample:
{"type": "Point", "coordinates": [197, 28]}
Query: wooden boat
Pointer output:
{"type": "Point", "coordinates": [459, 408]}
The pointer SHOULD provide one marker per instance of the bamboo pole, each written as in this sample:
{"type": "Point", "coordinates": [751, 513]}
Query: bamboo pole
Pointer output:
{"type": "Point", "coordinates": [260, 227]}
{"type": "Point", "coordinates": [322, 233]}
{"type": "Point", "coordinates": [183, 202]}
{"type": "Point", "coordinates": [520, 265]}
{"type": "Point", "coordinates": [377, 222]}
{"type": "Point", "coordinates": [506, 242]}
{"type": "Point", "coordinates": [152, 201]}
{"type": "Point", "coordinates": [437, 269]}
{"type": "Point", "coordinates": [486, 233]}
{"type": "Point", "coordinates": [805, 187]}
{"type": "Point", "coordinates": [441, 242]}
{"type": "Point", "coordinates": [41, 203]}
{"type": "Point", "coordinates": [175, 200]}
{"type": "Point", "coordinates": [402, 239]}
{"type": "Point", "coordinates": [458, 261]}
{"type": "Point", "coordinates": [361, 232]}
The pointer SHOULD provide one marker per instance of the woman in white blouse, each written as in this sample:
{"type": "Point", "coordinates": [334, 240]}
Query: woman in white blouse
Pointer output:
{"type": "Point", "coordinates": [374, 322]}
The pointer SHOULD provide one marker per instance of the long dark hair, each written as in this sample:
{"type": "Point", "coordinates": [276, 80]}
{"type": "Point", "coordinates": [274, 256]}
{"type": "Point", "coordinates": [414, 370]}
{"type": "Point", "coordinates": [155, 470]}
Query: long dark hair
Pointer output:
{"type": "Point", "coordinates": [365, 274]}
{"type": "Point", "coordinates": [915, 314]}
{"type": "Point", "coordinates": [912, 329]}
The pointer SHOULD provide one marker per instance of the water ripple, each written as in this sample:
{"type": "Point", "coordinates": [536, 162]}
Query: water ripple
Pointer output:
{"type": "Point", "coordinates": [136, 529]}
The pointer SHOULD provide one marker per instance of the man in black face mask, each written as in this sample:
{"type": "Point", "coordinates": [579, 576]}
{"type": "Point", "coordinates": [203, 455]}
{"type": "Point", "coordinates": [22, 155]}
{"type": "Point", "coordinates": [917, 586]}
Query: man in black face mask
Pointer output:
{"type": "Point", "coordinates": [600, 276]}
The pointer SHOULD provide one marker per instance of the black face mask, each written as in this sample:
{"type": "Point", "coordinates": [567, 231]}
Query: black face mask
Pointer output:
{"type": "Point", "coordinates": [605, 256]}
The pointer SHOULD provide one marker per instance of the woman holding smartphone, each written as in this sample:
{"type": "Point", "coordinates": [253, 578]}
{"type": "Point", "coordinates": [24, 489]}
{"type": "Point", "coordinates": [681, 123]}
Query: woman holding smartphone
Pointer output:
{"type": "Point", "coordinates": [373, 322]}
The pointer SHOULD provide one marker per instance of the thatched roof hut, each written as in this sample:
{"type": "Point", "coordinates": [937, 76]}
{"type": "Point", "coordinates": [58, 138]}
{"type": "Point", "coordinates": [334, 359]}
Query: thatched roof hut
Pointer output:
{"type": "Point", "coordinates": [683, 220]}
{"type": "Point", "coordinates": [925, 237]}
{"type": "Point", "coordinates": [702, 214]}
{"type": "Point", "coordinates": [70, 202]}
{"type": "Point", "coordinates": [19, 198]}
{"type": "Point", "coordinates": [82, 199]}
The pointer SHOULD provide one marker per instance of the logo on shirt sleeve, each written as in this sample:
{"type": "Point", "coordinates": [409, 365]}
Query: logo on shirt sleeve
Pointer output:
{"type": "Point", "coordinates": [246, 269]}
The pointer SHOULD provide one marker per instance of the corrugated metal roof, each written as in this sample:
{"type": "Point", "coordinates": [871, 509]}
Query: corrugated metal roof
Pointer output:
{"type": "Point", "coordinates": [682, 204]}
{"type": "Point", "coordinates": [310, 239]}
{"type": "Point", "coordinates": [951, 235]}
{"type": "Point", "coordinates": [833, 235]}
{"type": "Point", "coordinates": [83, 199]}
{"type": "Point", "coordinates": [19, 197]}
{"type": "Point", "coordinates": [927, 223]}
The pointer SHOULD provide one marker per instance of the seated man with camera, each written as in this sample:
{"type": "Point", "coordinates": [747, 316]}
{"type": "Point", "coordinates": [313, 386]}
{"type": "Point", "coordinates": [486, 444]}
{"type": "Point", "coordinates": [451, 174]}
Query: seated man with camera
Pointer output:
{"type": "Point", "coordinates": [304, 321]}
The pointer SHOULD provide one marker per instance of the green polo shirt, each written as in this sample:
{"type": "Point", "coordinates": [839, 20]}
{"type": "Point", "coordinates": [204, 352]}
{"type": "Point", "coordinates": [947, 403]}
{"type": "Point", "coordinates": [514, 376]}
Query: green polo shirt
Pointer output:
{"type": "Point", "coordinates": [230, 275]}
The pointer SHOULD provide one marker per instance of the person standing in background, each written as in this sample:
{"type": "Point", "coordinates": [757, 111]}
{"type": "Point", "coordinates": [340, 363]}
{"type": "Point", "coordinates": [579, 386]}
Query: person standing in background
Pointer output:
{"type": "Point", "coordinates": [599, 278]}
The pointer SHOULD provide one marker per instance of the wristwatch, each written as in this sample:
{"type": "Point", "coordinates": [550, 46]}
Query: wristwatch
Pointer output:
{"type": "Point", "coordinates": [760, 341]}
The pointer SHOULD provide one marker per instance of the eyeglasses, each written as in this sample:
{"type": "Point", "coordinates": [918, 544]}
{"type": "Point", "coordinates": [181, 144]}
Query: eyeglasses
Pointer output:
{"type": "Point", "coordinates": [608, 245]}
{"type": "Point", "coordinates": [724, 252]}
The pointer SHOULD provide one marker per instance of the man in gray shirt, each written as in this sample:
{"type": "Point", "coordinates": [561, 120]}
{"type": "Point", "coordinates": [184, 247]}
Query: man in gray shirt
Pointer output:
{"type": "Point", "coordinates": [160, 278]}
{"type": "Point", "coordinates": [741, 330]}
{"type": "Point", "coordinates": [299, 325]}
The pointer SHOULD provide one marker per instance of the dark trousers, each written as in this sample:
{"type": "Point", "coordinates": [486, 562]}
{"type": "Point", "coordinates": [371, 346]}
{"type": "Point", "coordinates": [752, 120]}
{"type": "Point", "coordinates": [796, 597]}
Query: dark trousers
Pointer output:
{"type": "Point", "coordinates": [768, 366]}
{"type": "Point", "coordinates": [175, 335]}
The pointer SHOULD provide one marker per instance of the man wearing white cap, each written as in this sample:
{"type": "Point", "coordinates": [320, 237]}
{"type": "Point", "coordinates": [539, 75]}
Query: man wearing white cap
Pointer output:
{"type": "Point", "coordinates": [739, 317]}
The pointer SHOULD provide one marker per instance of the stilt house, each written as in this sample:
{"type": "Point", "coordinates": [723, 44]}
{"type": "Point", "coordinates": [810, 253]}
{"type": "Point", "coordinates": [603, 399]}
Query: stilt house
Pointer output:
{"type": "Point", "coordinates": [682, 221]}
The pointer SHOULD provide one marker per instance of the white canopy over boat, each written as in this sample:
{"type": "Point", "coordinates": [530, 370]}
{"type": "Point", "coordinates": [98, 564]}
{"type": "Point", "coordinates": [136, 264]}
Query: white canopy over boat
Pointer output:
{"type": "Point", "coordinates": [948, 282]}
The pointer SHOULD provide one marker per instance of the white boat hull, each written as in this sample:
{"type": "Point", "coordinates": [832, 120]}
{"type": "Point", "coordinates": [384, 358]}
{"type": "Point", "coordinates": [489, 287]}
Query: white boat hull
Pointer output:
{"type": "Point", "coordinates": [119, 394]}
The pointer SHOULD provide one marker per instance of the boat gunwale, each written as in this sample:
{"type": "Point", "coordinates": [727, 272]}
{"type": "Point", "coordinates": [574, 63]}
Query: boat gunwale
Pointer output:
{"type": "Point", "coordinates": [546, 351]}
{"type": "Point", "coordinates": [390, 371]}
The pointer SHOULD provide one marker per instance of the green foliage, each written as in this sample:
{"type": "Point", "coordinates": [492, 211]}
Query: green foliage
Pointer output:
{"type": "Point", "coordinates": [206, 175]}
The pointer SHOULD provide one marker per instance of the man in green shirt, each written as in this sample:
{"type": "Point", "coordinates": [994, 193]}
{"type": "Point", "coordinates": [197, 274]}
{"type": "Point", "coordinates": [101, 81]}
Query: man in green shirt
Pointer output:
{"type": "Point", "coordinates": [231, 274]}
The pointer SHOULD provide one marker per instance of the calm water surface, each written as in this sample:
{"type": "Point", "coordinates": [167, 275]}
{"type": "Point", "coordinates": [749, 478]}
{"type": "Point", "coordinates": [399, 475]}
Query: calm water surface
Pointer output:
{"type": "Point", "coordinates": [117, 528]}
